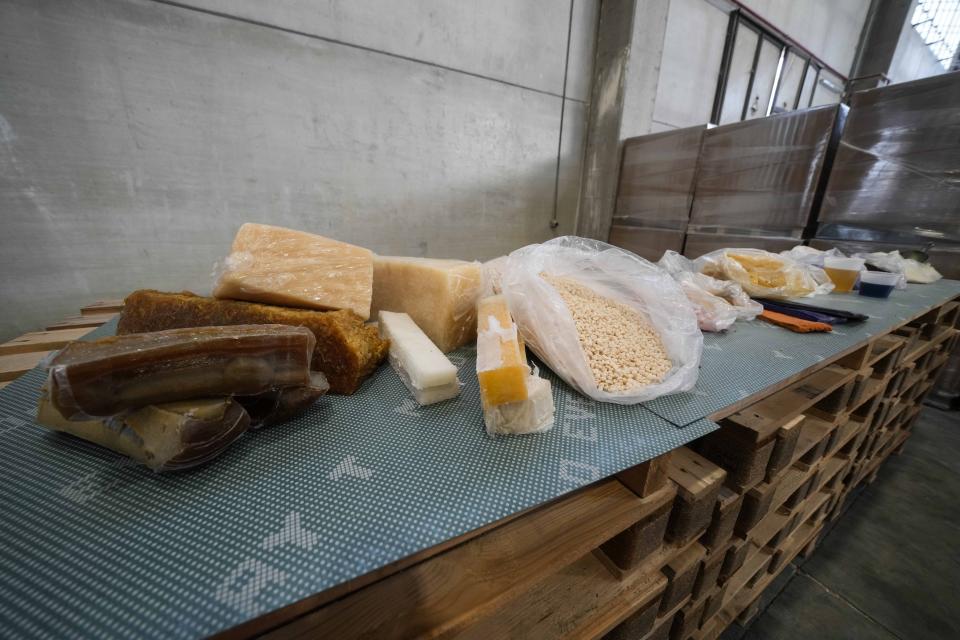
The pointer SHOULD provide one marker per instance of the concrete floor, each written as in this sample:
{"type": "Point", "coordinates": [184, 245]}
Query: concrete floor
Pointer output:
{"type": "Point", "coordinates": [889, 567]}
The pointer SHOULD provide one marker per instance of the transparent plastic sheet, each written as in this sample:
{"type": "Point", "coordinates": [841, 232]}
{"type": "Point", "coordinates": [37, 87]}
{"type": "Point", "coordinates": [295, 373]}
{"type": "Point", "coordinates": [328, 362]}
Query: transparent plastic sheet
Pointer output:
{"type": "Point", "coordinates": [109, 376]}
{"type": "Point", "coordinates": [810, 256]}
{"type": "Point", "coordinates": [656, 179]}
{"type": "Point", "coordinates": [763, 173]}
{"type": "Point", "coordinates": [547, 325]}
{"type": "Point", "coordinates": [164, 437]}
{"type": "Point", "coordinates": [439, 295]}
{"type": "Point", "coordinates": [492, 273]}
{"type": "Point", "coordinates": [765, 274]}
{"type": "Point", "coordinates": [273, 265]}
{"type": "Point", "coordinates": [911, 270]}
{"type": "Point", "coordinates": [718, 303]}
{"type": "Point", "coordinates": [421, 366]}
{"type": "Point", "coordinates": [896, 168]}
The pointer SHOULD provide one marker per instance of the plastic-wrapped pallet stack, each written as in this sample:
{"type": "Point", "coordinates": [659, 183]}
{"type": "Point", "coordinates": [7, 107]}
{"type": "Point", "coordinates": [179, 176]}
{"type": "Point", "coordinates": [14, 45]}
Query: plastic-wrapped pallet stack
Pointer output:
{"type": "Point", "coordinates": [758, 181]}
{"type": "Point", "coordinates": [656, 188]}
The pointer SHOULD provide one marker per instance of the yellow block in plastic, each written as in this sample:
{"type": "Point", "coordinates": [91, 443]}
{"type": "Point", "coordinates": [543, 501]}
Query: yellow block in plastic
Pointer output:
{"type": "Point", "coordinates": [501, 359]}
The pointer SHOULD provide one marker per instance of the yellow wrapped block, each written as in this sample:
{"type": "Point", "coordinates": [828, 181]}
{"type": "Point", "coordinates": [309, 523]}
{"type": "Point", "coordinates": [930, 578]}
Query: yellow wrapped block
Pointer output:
{"type": "Point", "coordinates": [501, 359]}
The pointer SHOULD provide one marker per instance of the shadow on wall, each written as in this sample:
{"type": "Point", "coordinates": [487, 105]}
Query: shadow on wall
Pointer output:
{"type": "Point", "coordinates": [129, 161]}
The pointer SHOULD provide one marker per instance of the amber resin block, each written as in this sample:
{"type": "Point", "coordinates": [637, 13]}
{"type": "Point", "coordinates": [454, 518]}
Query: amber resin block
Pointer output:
{"type": "Point", "coordinates": [111, 375]}
{"type": "Point", "coordinates": [282, 266]}
{"type": "Point", "coordinates": [347, 350]}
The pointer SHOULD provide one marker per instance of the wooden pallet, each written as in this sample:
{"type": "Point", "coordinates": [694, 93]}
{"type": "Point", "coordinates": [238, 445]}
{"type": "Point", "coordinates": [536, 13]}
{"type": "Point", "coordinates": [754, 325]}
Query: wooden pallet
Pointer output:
{"type": "Point", "coordinates": [22, 354]}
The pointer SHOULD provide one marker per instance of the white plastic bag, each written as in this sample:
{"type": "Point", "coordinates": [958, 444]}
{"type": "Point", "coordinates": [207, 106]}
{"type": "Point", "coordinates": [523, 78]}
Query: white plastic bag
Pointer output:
{"type": "Point", "coordinates": [718, 303]}
{"type": "Point", "coordinates": [765, 274]}
{"type": "Point", "coordinates": [811, 256]}
{"type": "Point", "coordinates": [548, 327]}
{"type": "Point", "coordinates": [910, 269]}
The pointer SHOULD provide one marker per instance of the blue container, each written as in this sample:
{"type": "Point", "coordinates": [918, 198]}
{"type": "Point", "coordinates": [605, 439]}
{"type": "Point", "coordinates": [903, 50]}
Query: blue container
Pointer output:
{"type": "Point", "coordinates": [875, 290]}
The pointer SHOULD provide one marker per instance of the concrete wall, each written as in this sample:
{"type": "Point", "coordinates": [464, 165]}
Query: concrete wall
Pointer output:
{"type": "Point", "coordinates": [136, 136]}
{"type": "Point", "coordinates": [912, 59]}
{"type": "Point", "coordinates": [693, 46]}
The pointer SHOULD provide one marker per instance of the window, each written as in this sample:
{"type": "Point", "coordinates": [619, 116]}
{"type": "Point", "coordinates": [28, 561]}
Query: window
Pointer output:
{"type": "Point", "coordinates": [762, 74]}
{"type": "Point", "coordinates": [938, 23]}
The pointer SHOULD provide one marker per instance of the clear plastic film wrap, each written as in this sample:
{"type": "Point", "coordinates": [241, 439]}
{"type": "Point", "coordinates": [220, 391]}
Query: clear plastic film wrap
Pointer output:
{"type": "Point", "coordinates": [106, 377]}
{"type": "Point", "coordinates": [656, 179]}
{"type": "Point", "coordinates": [621, 280]}
{"type": "Point", "coordinates": [291, 268]}
{"type": "Point", "coordinates": [763, 174]}
{"type": "Point", "coordinates": [492, 273]}
{"type": "Point", "coordinates": [347, 350]}
{"type": "Point", "coordinates": [910, 270]}
{"type": "Point", "coordinates": [439, 295]}
{"type": "Point", "coordinates": [164, 437]}
{"type": "Point", "coordinates": [896, 174]}
{"type": "Point", "coordinates": [764, 274]}
{"type": "Point", "coordinates": [808, 255]}
{"type": "Point", "coordinates": [718, 303]}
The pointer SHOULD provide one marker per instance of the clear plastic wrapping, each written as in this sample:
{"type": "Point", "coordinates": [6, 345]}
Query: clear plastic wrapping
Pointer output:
{"type": "Point", "coordinates": [109, 376]}
{"type": "Point", "coordinates": [718, 303]}
{"type": "Point", "coordinates": [763, 174]}
{"type": "Point", "coordinates": [910, 270]}
{"type": "Point", "coordinates": [656, 179]}
{"type": "Point", "coordinates": [292, 268]}
{"type": "Point", "coordinates": [764, 274]}
{"type": "Point", "coordinates": [424, 370]}
{"type": "Point", "coordinates": [548, 327]}
{"type": "Point", "coordinates": [439, 295]}
{"type": "Point", "coordinates": [895, 177]}
{"type": "Point", "coordinates": [164, 437]}
{"type": "Point", "coordinates": [347, 350]}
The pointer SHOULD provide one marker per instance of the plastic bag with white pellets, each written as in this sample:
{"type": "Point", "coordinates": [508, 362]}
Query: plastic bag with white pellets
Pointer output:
{"type": "Point", "coordinates": [633, 335]}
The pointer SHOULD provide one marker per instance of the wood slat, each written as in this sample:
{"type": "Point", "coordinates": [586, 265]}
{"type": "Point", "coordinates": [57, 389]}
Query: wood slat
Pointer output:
{"type": "Point", "coordinates": [102, 306]}
{"type": "Point", "coordinates": [43, 340]}
{"type": "Point", "coordinates": [92, 321]}
{"type": "Point", "coordinates": [580, 601]}
{"type": "Point", "coordinates": [454, 590]}
{"type": "Point", "coordinates": [15, 365]}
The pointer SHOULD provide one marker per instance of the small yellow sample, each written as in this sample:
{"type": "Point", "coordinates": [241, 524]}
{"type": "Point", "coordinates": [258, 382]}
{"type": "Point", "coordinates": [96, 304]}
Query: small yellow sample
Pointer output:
{"type": "Point", "coordinates": [501, 360]}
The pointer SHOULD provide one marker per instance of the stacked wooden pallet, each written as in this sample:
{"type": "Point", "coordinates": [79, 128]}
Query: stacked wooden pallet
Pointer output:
{"type": "Point", "coordinates": [24, 353]}
{"type": "Point", "coordinates": [795, 456]}
{"type": "Point", "coordinates": [678, 547]}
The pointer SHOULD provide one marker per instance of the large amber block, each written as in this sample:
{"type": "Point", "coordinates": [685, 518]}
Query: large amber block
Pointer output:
{"type": "Point", "coordinates": [439, 295]}
{"type": "Point", "coordinates": [347, 350]}
{"type": "Point", "coordinates": [281, 266]}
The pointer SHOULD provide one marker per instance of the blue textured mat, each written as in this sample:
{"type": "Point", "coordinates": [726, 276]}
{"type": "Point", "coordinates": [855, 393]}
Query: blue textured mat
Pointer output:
{"type": "Point", "coordinates": [92, 545]}
{"type": "Point", "coordinates": [754, 355]}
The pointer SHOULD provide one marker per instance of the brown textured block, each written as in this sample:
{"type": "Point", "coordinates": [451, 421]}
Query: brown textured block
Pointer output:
{"type": "Point", "coordinates": [687, 620]}
{"type": "Point", "coordinates": [725, 513]}
{"type": "Point", "coordinates": [714, 604]}
{"type": "Point", "coordinates": [638, 624]}
{"type": "Point", "coordinates": [756, 504]}
{"type": "Point", "coordinates": [346, 350]}
{"type": "Point", "coordinates": [631, 547]}
{"type": "Point", "coordinates": [734, 558]}
{"type": "Point", "coordinates": [681, 572]}
{"type": "Point", "coordinates": [783, 447]}
{"type": "Point", "coordinates": [708, 573]}
{"type": "Point", "coordinates": [744, 462]}
{"type": "Point", "coordinates": [698, 483]}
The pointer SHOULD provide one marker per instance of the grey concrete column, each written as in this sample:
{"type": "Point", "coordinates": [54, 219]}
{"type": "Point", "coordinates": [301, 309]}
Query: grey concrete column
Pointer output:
{"type": "Point", "coordinates": [625, 79]}
{"type": "Point", "coordinates": [878, 43]}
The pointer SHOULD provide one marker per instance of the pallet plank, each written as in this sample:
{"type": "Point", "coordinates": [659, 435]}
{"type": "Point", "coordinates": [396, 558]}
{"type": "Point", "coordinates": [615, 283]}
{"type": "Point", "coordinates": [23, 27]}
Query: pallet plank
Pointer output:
{"type": "Point", "coordinates": [43, 340]}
